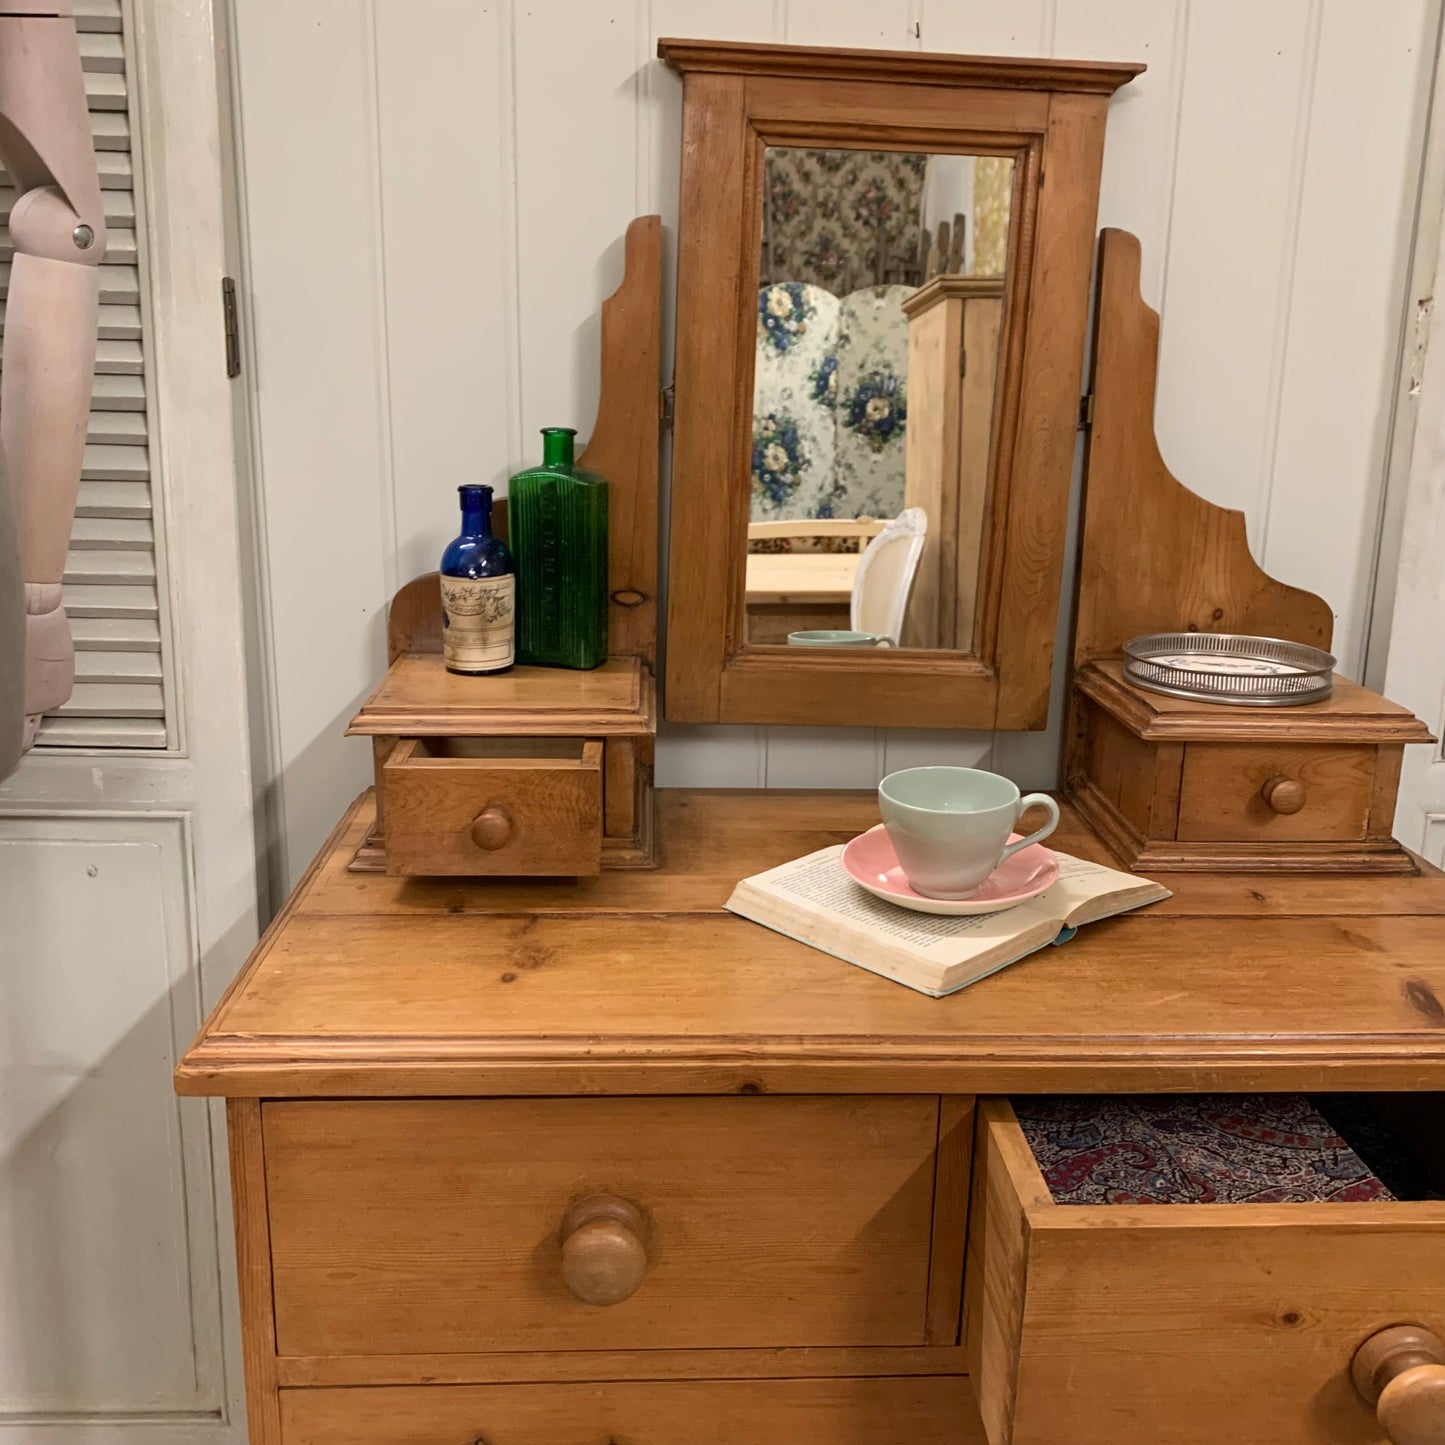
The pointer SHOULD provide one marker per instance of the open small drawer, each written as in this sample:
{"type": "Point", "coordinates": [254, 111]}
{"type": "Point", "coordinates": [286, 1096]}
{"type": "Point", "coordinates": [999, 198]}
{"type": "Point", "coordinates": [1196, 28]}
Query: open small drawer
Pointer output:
{"type": "Point", "coordinates": [1120, 1324]}
{"type": "Point", "coordinates": [505, 806]}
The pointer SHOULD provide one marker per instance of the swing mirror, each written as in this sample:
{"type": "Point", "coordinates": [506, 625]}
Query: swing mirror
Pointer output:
{"type": "Point", "coordinates": [883, 284]}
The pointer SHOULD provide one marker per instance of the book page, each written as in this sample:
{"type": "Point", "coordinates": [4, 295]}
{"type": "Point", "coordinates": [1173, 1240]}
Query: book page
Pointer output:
{"type": "Point", "coordinates": [1087, 892]}
{"type": "Point", "coordinates": [813, 900]}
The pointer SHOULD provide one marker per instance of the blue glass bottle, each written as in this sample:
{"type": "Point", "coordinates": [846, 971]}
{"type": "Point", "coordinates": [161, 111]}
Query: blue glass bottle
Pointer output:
{"type": "Point", "coordinates": [479, 602]}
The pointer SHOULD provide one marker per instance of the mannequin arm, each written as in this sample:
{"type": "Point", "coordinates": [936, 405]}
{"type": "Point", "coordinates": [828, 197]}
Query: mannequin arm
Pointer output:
{"type": "Point", "coordinates": [58, 230]}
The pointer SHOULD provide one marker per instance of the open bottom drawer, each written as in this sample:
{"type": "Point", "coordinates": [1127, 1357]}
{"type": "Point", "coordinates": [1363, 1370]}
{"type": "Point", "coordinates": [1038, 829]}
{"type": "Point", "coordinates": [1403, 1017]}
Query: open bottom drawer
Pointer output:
{"type": "Point", "coordinates": [1119, 1323]}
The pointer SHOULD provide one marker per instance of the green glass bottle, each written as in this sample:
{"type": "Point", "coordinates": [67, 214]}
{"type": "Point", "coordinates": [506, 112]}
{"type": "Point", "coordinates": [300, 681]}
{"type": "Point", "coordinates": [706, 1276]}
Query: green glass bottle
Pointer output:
{"type": "Point", "coordinates": [557, 516]}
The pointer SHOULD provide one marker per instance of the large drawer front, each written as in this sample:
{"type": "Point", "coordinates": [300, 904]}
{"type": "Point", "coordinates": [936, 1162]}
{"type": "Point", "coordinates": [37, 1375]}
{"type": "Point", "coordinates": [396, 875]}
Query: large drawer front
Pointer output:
{"type": "Point", "coordinates": [433, 1226]}
{"type": "Point", "coordinates": [936, 1410]}
{"type": "Point", "coordinates": [1180, 1324]}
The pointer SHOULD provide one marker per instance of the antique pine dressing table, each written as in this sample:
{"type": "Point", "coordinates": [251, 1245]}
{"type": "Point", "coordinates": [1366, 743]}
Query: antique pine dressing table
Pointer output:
{"type": "Point", "coordinates": [423, 1076]}
{"type": "Point", "coordinates": [521, 1160]}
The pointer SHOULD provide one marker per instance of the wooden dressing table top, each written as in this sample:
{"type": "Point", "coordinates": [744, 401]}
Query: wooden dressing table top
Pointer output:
{"type": "Point", "coordinates": [631, 983]}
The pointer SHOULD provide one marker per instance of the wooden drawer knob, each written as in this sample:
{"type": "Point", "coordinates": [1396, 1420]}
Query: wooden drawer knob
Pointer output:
{"type": "Point", "coordinates": [1401, 1372]}
{"type": "Point", "coordinates": [492, 828]}
{"type": "Point", "coordinates": [604, 1249]}
{"type": "Point", "coordinates": [1283, 795]}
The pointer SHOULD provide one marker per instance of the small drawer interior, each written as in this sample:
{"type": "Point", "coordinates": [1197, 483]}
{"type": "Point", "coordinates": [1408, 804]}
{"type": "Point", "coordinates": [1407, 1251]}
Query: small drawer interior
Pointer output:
{"type": "Point", "coordinates": [454, 749]}
{"type": "Point", "coordinates": [1228, 1149]}
{"type": "Point", "coordinates": [509, 806]}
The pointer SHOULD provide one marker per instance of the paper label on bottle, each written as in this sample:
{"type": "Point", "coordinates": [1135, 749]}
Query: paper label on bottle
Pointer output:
{"type": "Point", "coordinates": [478, 622]}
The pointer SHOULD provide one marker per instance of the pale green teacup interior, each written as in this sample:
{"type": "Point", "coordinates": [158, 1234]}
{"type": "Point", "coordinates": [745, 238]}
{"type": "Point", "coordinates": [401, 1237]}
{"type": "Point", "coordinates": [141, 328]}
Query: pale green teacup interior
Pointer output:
{"type": "Point", "coordinates": [948, 790]}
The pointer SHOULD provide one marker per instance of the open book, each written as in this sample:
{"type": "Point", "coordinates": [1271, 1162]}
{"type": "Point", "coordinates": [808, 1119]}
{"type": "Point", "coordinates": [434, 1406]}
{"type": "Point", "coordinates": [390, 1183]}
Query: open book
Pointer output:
{"type": "Point", "coordinates": [813, 900]}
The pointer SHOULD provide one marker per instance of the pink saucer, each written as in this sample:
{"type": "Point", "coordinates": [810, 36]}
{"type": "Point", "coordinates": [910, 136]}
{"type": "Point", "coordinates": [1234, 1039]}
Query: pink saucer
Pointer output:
{"type": "Point", "coordinates": [872, 864]}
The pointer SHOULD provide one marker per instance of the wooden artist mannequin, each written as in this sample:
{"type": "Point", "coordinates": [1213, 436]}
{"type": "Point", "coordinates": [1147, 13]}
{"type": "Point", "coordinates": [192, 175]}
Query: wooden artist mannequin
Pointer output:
{"type": "Point", "coordinates": [58, 230]}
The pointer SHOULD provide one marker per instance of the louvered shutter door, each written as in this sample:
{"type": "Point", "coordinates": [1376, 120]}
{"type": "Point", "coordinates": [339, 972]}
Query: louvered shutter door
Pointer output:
{"type": "Point", "coordinates": [110, 576]}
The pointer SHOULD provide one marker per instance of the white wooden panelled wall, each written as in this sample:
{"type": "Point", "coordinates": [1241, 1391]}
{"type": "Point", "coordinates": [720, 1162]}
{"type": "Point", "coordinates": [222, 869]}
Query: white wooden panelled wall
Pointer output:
{"type": "Point", "coordinates": [434, 193]}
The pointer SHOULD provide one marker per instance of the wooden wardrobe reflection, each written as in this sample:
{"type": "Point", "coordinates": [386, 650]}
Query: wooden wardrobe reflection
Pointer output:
{"type": "Point", "coordinates": [950, 416]}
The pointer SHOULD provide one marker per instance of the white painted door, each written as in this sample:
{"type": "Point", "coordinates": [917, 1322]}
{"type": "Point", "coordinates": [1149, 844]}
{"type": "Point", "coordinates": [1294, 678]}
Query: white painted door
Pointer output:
{"type": "Point", "coordinates": [1415, 672]}
{"type": "Point", "coordinates": [127, 858]}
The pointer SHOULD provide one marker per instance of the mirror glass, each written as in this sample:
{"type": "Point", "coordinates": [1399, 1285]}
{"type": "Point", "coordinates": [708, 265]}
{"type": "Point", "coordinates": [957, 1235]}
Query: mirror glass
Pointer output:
{"type": "Point", "coordinates": [879, 327]}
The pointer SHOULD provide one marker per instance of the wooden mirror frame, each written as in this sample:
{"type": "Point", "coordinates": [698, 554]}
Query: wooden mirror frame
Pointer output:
{"type": "Point", "coordinates": [738, 99]}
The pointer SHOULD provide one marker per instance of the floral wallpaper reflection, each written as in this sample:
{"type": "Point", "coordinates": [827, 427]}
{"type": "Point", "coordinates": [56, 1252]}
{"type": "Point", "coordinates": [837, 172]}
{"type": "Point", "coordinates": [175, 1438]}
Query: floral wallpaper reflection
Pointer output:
{"type": "Point", "coordinates": [793, 432]}
{"type": "Point", "coordinates": [830, 402]}
{"type": "Point", "coordinates": [847, 236]}
{"type": "Point", "coordinates": [843, 219]}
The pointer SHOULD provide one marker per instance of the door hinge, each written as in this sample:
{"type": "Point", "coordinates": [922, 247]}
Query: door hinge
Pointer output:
{"type": "Point", "coordinates": [233, 326]}
{"type": "Point", "coordinates": [666, 403]}
{"type": "Point", "coordinates": [1086, 411]}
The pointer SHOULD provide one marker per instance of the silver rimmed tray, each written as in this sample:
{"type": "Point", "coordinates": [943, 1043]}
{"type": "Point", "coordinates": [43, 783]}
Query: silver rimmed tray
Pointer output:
{"type": "Point", "coordinates": [1229, 668]}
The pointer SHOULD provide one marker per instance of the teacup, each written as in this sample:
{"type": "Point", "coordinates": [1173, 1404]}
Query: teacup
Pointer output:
{"type": "Point", "coordinates": [950, 826]}
{"type": "Point", "coordinates": [835, 639]}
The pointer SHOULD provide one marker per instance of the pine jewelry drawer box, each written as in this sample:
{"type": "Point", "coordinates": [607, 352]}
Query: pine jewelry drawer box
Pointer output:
{"type": "Point", "coordinates": [538, 772]}
{"type": "Point", "coordinates": [1176, 786]}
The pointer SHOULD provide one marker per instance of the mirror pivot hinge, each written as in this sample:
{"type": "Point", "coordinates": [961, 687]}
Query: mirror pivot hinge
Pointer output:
{"type": "Point", "coordinates": [1086, 410]}
{"type": "Point", "coordinates": [666, 402]}
{"type": "Point", "coordinates": [233, 326]}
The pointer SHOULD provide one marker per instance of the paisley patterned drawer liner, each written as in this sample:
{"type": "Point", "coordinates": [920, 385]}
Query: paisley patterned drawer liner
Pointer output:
{"type": "Point", "coordinates": [1215, 1149]}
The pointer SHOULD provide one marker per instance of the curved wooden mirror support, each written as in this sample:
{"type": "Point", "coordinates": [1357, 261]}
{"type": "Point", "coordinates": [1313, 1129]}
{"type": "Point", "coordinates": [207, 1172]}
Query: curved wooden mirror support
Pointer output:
{"type": "Point", "coordinates": [1196, 573]}
{"type": "Point", "coordinates": [883, 280]}
{"type": "Point", "coordinates": [1171, 784]}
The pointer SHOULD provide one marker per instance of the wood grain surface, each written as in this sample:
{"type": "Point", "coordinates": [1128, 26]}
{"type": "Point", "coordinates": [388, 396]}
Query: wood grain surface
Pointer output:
{"type": "Point", "coordinates": [954, 1163]}
{"type": "Point", "coordinates": [418, 697]}
{"type": "Point", "coordinates": [1223, 790]}
{"type": "Point", "coordinates": [253, 1268]}
{"type": "Point", "coordinates": [521, 1367]}
{"type": "Point", "coordinates": [918, 67]}
{"type": "Point", "coordinates": [624, 443]}
{"type": "Point", "coordinates": [954, 324]}
{"type": "Point", "coordinates": [384, 986]}
{"type": "Point", "coordinates": [1006, 1185]}
{"type": "Point", "coordinates": [938, 1411]}
{"type": "Point", "coordinates": [716, 145]}
{"type": "Point", "coordinates": [425, 1226]}
{"type": "Point", "coordinates": [1033, 451]}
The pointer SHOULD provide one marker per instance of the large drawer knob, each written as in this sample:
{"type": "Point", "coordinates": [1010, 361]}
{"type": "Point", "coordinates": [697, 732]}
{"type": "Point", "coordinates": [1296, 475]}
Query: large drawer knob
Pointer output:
{"type": "Point", "coordinates": [1283, 795]}
{"type": "Point", "coordinates": [1401, 1372]}
{"type": "Point", "coordinates": [604, 1249]}
{"type": "Point", "coordinates": [492, 828]}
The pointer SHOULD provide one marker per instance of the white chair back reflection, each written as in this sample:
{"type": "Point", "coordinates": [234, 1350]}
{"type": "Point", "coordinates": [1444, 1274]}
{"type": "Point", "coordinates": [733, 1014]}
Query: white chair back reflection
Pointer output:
{"type": "Point", "coordinates": [884, 580]}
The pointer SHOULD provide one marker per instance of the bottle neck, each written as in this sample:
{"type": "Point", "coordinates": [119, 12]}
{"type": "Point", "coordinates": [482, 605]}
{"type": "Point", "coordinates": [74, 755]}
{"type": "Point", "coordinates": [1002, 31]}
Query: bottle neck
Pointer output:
{"type": "Point", "coordinates": [476, 511]}
{"type": "Point", "coordinates": [557, 446]}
